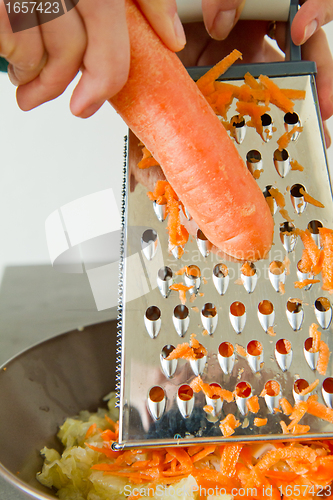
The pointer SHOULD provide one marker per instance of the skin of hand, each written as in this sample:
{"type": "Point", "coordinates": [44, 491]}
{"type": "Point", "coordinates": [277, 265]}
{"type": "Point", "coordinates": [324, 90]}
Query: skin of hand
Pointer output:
{"type": "Point", "coordinates": [93, 38]}
{"type": "Point", "coordinates": [44, 67]}
{"type": "Point", "coordinates": [221, 21]}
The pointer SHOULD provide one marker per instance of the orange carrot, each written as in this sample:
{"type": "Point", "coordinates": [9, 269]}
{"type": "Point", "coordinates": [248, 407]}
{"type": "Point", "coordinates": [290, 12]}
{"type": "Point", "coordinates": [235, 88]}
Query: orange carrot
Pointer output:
{"type": "Point", "coordinates": [296, 166]}
{"type": "Point", "coordinates": [277, 97]}
{"type": "Point", "coordinates": [166, 110]}
{"type": "Point", "coordinates": [285, 138]}
{"type": "Point", "coordinates": [206, 82]}
{"type": "Point", "coordinates": [260, 422]}
{"type": "Point", "coordinates": [228, 425]}
{"type": "Point", "coordinates": [193, 350]}
{"type": "Point", "coordinates": [304, 283]}
{"type": "Point", "coordinates": [315, 335]}
{"type": "Point", "coordinates": [229, 458]}
{"type": "Point", "coordinates": [253, 404]}
{"type": "Point", "coordinates": [324, 356]}
{"type": "Point", "coordinates": [310, 199]}
{"type": "Point", "coordinates": [313, 251]}
{"type": "Point", "coordinates": [319, 410]}
{"type": "Point", "coordinates": [326, 236]}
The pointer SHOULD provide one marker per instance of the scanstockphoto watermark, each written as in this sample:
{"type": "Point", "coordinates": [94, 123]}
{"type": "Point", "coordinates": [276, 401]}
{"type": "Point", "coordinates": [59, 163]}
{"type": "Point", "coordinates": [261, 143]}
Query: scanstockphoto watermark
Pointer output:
{"type": "Point", "coordinates": [24, 14]}
{"type": "Point", "coordinates": [186, 491]}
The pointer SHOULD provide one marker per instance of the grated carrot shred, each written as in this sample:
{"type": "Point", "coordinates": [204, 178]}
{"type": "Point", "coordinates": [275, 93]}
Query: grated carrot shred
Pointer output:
{"type": "Point", "coordinates": [192, 350]}
{"type": "Point", "coordinates": [228, 425]}
{"type": "Point", "coordinates": [277, 97]}
{"type": "Point", "coordinates": [253, 404]}
{"type": "Point", "coordinates": [306, 282]}
{"type": "Point", "coordinates": [310, 199]}
{"type": "Point", "coordinates": [296, 166]}
{"type": "Point", "coordinates": [285, 138]}
{"type": "Point", "coordinates": [319, 410]}
{"type": "Point", "coordinates": [315, 335]}
{"type": "Point", "coordinates": [260, 422]}
{"type": "Point", "coordinates": [323, 359]}
{"type": "Point", "coordinates": [206, 82]}
{"type": "Point", "coordinates": [229, 458]}
{"type": "Point", "coordinates": [164, 194]}
{"type": "Point", "coordinates": [278, 197]}
{"type": "Point", "coordinates": [326, 238]}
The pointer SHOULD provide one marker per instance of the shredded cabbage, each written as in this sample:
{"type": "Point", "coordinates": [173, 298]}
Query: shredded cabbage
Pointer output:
{"type": "Point", "coordinates": [71, 475]}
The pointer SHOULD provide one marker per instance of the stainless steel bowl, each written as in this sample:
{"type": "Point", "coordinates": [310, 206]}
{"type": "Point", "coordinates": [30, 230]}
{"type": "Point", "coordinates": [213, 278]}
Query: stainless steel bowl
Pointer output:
{"type": "Point", "coordinates": [43, 386]}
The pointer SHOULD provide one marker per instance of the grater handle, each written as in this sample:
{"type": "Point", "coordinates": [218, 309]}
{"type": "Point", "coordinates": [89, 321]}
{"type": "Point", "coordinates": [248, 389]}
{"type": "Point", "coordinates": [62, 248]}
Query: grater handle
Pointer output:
{"type": "Point", "coordinates": [264, 10]}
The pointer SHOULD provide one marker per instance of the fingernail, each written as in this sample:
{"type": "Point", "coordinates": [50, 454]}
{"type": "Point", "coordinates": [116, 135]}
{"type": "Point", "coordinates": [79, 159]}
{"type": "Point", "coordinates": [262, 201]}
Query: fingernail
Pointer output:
{"type": "Point", "coordinates": [310, 30]}
{"type": "Point", "coordinates": [12, 76]}
{"type": "Point", "coordinates": [90, 110]}
{"type": "Point", "coordinates": [179, 30]}
{"type": "Point", "coordinates": [223, 23]}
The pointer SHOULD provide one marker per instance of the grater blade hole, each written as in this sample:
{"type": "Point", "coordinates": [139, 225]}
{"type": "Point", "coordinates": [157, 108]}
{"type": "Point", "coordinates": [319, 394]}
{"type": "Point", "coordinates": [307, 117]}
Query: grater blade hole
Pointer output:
{"type": "Point", "coordinates": [165, 273]}
{"type": "Point", "coordinates": [272, 388]}
{"type": "Point", "coordinates": [226, 349]}
{"type": "Point", "coordinates": [281, 155]}
{"type": "Point", "coordinates": [248, 269]}
{"type": "Point", "coordinates": [254, 162]}
{"type": "Point", "coordinates": [238, 121]}
{"type": "Point", "coordinates": [253, 156]}
{"type": "Point", "coordinates": [243, 390]}
{"type": "Point", "coordinates": [295, 190]}
{"type": "Point", "coordinates": [328, 385]}
{"type": "Point", "coordinates": [288, 236]}
{"type": "Point", "coordinates": [283, 346]}
{"type": "Point", "coordinates": [209, 310]}
{"type": "Point", "coordinates": [314, 226]}
{"type": "Point", "coordinates": [322, 304]}
{"type": "Point", "coordinates": [237, 308]}
{"type": "Point", "coordinates": [254, 348]}
{"type": "Point", "coordinates": [249, 276]}
{"type": "Point", "coordinates": [297, 198]}
{"type": "Point", "coordinates": [215, 384]}
{"type": "Point", "coordinates": [266, 120]}
{"type": "Point", "coordinates": [276, 267]}
{"type": "Point", "coordinates": [166, 350]}
{"type": "Point", "coordinates": [291, 118]}
{"type": "Point", "coordinates": [265, 307]}
{"type": "Point", "coordinates": [156, 394]}
{"type": "Point", "coordinates": [201, 236]}
{"type": "Point", "coordinates": [204, 245]}
{"type": "Point", "coordinates": [153, 313]}
{"type": "Point", "coordinates": [149, 236]}
{"type": "Point", "coordinates": [270, 200]}
{"type": "Point", "coordinates": [282, 162]}
{"type": "Point", "coordinates": [295, 313]}
{"type": "Point", "coordinates": [193, 272]}
{"type": "Point", "coordinates": [238, 128]}
{"type": "Point", "coordinates": [221, 271]}
{"type": "Point", "coordinates": [181, 312]}
{"type": "Point", "coordinates": [149, 243]}
{"type": "Point", "coordinates": [308, 344]}
{"type": "Point", "coordinates": [294, 306]}
{"type": "Point", "coordinates": [300, 385]}
{"type": "Point", "coordinates": [185, 392]}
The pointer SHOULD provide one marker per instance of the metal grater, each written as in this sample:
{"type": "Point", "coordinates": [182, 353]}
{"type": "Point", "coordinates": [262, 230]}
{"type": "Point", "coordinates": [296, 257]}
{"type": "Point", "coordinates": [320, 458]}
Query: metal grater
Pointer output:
{"type": "Point", "coordinates": [156, 405]}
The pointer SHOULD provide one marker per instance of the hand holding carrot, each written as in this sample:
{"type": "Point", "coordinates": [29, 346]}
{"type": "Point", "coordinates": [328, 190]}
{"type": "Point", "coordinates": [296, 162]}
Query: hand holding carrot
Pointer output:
{"type": "Point", "coordinates": [92, 37]}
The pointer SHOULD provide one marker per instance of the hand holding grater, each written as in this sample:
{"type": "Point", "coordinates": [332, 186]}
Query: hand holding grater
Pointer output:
{"type": "Point", "coordinates": [251, 321]}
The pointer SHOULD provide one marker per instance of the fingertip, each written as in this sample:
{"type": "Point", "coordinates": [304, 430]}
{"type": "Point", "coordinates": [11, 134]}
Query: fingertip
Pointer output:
{"type": "Point", "coordinates": [179, 33]}
{"type": "Point", "coordinates": [86, 112]}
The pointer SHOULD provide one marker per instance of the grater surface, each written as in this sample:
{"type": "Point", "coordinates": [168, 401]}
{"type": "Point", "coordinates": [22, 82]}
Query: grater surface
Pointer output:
{"type": "Point", "coordinates": [151, 314]}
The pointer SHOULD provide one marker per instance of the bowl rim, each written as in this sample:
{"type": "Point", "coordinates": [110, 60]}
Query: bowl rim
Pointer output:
{"type": "Point", "coordinates": [5, 473]}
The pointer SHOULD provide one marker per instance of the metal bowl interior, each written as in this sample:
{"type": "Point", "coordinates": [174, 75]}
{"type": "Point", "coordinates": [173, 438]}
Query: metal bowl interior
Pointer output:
{"type": "Point", "coordinates": [43, 386]}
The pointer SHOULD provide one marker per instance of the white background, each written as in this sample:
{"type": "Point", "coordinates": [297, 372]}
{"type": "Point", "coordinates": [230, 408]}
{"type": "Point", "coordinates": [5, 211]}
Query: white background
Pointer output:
{"type": "Point", "coordinates": [49, 158]}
